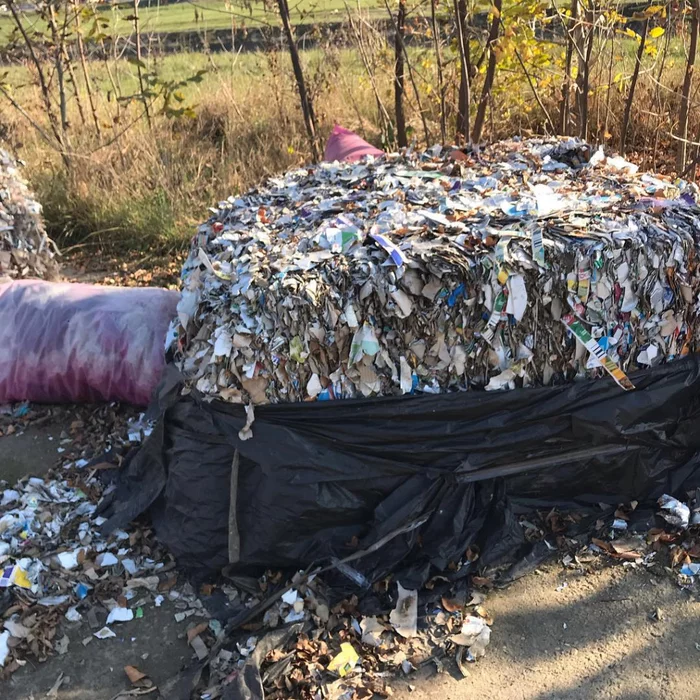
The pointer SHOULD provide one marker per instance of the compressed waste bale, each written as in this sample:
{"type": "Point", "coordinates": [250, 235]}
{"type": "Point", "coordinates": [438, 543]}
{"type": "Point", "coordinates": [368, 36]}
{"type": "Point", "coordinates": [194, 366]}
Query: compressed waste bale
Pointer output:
{"type": "Point", "coordinates": [533, 262]}
{"type": "Point", "coordinates": [65, 342]}
{"type": "Point", "coordinates": [25, 249]}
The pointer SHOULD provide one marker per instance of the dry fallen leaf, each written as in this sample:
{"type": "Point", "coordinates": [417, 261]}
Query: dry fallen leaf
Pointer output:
{"type": "Point", "coordinates": [627, 544]}
{"type": "Point", "coordinates": [133, 674]}
{"type": "Point", "coordinates": [196, 631]}
{"type": "Point", "coordinates": [605, 546]}
{"type": "Point", "coordinates": [482, 581]}
{"type": "Point", "coordinates": [679, 557]}
{"type": "Point", "coordinates": [166, 585]}
{"type": "Point", "coordinates": [481, 611]}
{"type": "Point", "coordinates": [452, 605]}
{"type": "Point", "coordinates": [627, 556]}
{"type": "Point", "coordinates": [459, 156]}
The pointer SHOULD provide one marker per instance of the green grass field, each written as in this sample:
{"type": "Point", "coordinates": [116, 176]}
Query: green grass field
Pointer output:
{"type": "Point", "coordinates": [204, 15]}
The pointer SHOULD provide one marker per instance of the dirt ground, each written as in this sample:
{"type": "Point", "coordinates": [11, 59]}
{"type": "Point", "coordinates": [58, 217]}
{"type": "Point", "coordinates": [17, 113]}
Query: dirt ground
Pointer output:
{"type": "Point", "coordinates": [592, 639]}
{"type": "Point", "coordinates": [557, 634]}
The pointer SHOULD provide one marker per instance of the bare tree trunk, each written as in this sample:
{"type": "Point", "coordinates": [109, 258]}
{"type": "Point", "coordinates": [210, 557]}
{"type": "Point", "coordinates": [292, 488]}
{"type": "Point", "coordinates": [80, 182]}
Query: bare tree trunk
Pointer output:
{"type": "Point", "coordinates": [58, 59]}
{"type": "Point", "coordinates": [490, 71]}
{"type": "Point", "coordinates": [584, 72]}
{"type": "Point", "coordinates": [305, 98]}
{"type": "Point", "coordinates": [681, 154]}
{"type": "Point", "coordinates": [139, 63]}
{"type": "Point", "coordinates": [633, 86]}
{"type": "Point", "coordinates": [83, 64]}
{"type": "Point", "coordinates": [400, 25]}
{"type": "Point", "coordinates": [438, 62]}
{"type": "Point", "coordinates": [608, 94]}
{"type": "Point", "coordinates": [570, 28]}
{"type": "Point", "coordinates": [465, 94]}
{"type": "Point", "coordinates": [412, 77]}
{"type": "Point", "coordinates": [404, 60]}
{"type": "Point", "coordinates": [69, 64]}
{"type": "Point", "coordinates": [382, 112]}
{"type": "Point", "coordinates": [76, 89]}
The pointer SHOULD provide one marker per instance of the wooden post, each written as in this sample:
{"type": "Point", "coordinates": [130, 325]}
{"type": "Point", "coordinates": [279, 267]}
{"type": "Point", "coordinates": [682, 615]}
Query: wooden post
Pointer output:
{"type": "Point", "coordinates": [401, 136]}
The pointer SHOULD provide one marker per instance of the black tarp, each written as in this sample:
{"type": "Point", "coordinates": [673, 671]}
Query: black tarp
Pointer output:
{"type": "Point", "coordinates": [324, 479]}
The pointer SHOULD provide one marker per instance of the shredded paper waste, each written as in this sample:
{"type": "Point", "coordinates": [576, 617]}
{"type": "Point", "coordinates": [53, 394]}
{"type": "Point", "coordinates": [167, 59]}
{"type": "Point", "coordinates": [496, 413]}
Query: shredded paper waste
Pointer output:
{"type": "Point", "coordinates": [25, 249]}
{"type": "Point", "coordinates": [532, 263]}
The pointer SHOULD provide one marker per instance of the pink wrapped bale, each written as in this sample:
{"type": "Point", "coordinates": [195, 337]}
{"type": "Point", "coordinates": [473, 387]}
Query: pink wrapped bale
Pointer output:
{"type": "Point", "coordinates": [346, 145]}
{"type": "Point", "coordinates": [69, 343]}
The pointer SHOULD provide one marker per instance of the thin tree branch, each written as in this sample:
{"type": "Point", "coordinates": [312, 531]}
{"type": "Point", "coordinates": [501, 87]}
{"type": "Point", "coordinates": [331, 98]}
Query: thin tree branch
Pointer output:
{"type": "Point", "coordinates": [534, 91]}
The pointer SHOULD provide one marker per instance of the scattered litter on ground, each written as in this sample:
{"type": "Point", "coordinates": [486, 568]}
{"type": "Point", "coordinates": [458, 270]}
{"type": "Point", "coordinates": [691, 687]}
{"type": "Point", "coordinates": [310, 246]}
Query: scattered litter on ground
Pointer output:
{"type": "Point", "coordinates": [55, 566]}
{"type": "Point", "coordinates": [404, 617]}
{"type": "Point", "coordinates": [669, 542]}
{"type": "Point", "coordinates": [60, 572]}
{"type": "Point", "coordinates": [674, 512]}
{"type": "Point", "coordinates": [475, 635]}
{"type": "Point", "coordinates": [105, 633]}
{"type": "Point", "coordinates": [344, 662]}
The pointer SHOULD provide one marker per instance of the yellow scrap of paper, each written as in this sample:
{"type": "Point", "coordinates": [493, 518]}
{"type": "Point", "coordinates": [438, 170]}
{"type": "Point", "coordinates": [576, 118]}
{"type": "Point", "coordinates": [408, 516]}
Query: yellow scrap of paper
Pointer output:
{"type": "Point", "coordinates": [19, 578]}
{"type": "Point", "coordinates": [345, 661]}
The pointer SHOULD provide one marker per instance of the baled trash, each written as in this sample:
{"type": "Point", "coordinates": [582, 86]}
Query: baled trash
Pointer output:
{"type": "Point", "coordinates": [405, 285]}
{"type": "Point", "coordinates": [531, 263]}
{"type": "Point", "coordinates": [25, 249]}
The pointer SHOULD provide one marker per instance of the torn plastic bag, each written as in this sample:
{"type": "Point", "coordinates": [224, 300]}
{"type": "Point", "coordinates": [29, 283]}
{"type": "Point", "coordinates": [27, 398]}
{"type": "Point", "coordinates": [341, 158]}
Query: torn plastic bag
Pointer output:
{"type": "Point", "coordinates": [65, 342]}
{"type": "Point", "coordinates": [346, 145]}
{"type": "Point", "coordinates": [325, 479]}
{"type": "Point", "coordinates": [247, 684]}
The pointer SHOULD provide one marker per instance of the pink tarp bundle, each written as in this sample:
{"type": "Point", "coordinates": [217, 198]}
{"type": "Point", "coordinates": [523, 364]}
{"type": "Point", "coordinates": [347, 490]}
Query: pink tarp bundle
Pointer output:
{"type": "Point", "coordinates": [344, 144]}
{"type": "Point", "coordinates": [62, 342]}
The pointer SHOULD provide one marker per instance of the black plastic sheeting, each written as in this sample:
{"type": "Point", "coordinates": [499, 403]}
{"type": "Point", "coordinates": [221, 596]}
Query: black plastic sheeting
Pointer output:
{"type": "Point", "coordinates": [323, 480]}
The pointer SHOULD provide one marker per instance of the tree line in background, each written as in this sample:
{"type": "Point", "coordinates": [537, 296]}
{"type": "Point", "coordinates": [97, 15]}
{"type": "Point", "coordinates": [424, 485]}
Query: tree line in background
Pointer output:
{"type": "Point", "coordinates": [514, 40]}
{"type": "Point", "coordinates": [542, 47]}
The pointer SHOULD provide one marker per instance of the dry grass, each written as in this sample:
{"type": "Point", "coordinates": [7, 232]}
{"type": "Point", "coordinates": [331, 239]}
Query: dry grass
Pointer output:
{"type": "Point", "coordinates": [146, 186]}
